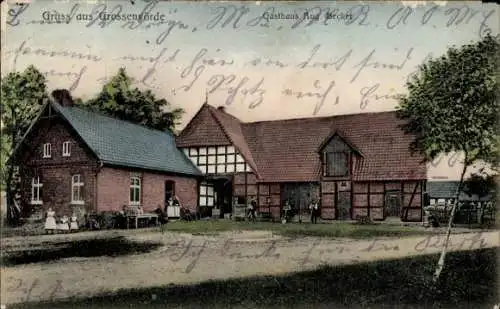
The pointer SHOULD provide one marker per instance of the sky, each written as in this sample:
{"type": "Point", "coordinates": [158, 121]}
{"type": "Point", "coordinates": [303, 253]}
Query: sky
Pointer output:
{"type": "Point", "coordinates": [261, 60]}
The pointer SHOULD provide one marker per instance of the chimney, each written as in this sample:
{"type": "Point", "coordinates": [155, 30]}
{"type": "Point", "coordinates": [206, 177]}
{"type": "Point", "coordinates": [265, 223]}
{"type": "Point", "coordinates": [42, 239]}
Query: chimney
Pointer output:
{"type": "Point", "coordinates": [62, 97]}
{"type": "Point", "coordinates": [222, 108]}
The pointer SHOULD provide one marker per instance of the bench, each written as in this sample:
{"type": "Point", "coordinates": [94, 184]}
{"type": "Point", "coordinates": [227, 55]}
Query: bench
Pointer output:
{"type": "Point", "coordinates": [137, 217]}
{"type": "Point", "coordinates": [132, 213]}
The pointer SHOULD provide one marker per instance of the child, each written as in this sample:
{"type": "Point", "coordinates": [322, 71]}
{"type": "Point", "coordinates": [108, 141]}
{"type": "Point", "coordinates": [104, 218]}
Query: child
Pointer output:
{"type": "Point", "coordinates": [64, 225]}
{"type": "Point", "coordinates": [50, 221]}
{"type": "Point", "coordinates": [73, 226]}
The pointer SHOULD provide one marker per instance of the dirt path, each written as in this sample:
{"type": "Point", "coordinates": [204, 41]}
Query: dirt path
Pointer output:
{"type": "Point", "coordinates": [189, 259]}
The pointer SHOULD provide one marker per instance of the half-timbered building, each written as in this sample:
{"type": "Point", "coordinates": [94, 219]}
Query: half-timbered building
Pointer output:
{"type": "Point", "coordinates": [357, 165]}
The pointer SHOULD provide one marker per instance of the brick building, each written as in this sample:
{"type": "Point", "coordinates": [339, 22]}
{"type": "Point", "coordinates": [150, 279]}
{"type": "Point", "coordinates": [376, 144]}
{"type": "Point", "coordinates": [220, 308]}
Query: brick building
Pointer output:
{"type": "Point", "coordinates": [356, 165]}
{"type": "Point", "coordinates": [75, 160]}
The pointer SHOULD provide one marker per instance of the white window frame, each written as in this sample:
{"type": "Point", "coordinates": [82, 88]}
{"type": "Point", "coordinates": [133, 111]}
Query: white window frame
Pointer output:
{"type": "Point", "coordinates": [66, 149]}
{"type": "Point", "coordinates": [47, 150]}
{"type": "Point", "coordinates": [207, 195]}
{"type": "Point", "coordinates": [36, 187]}
{"type": "Point", "coordinates": [135, 200]}
{"type": "Point", "coordinates": [76, 182]}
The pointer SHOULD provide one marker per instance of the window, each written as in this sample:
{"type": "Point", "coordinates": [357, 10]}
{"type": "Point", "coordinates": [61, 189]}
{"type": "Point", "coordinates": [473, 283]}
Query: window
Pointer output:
{"type": "Point", "coordinates": [337, 164]}
{"type": "Point", "coordinates": [66, 149]}
{"type": "Point", "coordinates": [36, 191]}
{"type": "Point", "coordinates": [135, 190]}
{"type": "Point", "coordinates": [76, 189]}
{"type": "Point", "coordinates": [207, 195]}
{"type": "Point", "coordinates": [47, 153]}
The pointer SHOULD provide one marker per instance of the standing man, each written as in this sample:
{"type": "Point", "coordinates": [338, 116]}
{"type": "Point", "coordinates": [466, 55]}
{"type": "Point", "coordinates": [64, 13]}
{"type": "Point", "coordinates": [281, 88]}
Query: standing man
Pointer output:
{"type": "Point", "coordinates": [314, 211]}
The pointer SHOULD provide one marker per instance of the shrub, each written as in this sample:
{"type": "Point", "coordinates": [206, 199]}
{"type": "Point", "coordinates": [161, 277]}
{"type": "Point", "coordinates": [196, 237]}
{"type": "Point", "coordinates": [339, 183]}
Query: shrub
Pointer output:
{"type": "Point", "coordinates": [364, 220]}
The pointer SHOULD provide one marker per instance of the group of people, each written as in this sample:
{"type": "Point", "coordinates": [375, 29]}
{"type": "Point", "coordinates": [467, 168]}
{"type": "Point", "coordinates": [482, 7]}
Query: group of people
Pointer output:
{"type": "Point", "coordinates": [64, 224]}
{"type": "Point", "coordinates": [313, 207]}
{"type": "Point", "coordinates": [67, 224]}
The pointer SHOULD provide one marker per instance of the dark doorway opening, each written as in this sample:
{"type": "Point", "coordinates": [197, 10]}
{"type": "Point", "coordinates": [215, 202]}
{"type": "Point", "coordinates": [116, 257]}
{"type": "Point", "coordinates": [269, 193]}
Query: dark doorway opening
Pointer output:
{"type": "Point", "coordinates": [174, 210]}
{"type": "Point", "coordinates": [169, 191]}
{"type": "Point", "coordinates": [218, 203]}
{"type": "Point", "coordinates": [299, 196]}
{"type": "Point", "coordinates": [224, 196]}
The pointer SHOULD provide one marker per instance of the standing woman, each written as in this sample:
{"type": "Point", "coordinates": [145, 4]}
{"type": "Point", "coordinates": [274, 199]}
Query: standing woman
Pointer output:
{"type": "Point", "coordinates": [50, 221]}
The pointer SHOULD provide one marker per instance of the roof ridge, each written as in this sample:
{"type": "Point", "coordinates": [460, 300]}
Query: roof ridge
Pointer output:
{"type": "Point", "coordinates": [316, 118]}
{"type": "Point", "coordinates": [101, 114]}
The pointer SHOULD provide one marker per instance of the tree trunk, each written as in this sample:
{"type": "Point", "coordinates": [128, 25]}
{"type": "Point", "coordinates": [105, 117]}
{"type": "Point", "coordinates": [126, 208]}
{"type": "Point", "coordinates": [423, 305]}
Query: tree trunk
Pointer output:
{"type": "Point", "coordinates": [13, 213]}
{"type": "Point", "coordinates": [440, 265]}
{"type": "Point", "coordinates": [10, 196]}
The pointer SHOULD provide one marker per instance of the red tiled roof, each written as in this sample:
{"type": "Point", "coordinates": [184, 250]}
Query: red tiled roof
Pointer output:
{"type": "Point", "coordinates": [202, 131]}
{"type": "Point", "coordinates": [287, 150]}
{"type": "Point", "coordinates": [211, 126]}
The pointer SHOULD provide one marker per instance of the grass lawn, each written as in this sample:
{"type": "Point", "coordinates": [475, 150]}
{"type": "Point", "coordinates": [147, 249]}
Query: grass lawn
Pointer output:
{"type": "Point", "coordinates": [337, 229]}
{"type": "Point", "coordinates": [469, 280]}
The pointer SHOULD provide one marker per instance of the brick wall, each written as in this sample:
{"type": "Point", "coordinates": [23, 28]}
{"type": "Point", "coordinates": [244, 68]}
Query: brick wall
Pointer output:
{"type": "Point", "coordinates": [56, 172]}
{"type": "Point", "coordinates": [55, 132]}
{"type": "Point", "coordinates": [56, 190]}
{"type": "Point", "coordinates": [114, 189]}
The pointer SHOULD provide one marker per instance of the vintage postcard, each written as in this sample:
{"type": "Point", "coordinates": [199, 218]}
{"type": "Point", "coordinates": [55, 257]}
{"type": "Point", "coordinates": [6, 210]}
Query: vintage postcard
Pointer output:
{"type": "Point", "coordinates": [249, 155]}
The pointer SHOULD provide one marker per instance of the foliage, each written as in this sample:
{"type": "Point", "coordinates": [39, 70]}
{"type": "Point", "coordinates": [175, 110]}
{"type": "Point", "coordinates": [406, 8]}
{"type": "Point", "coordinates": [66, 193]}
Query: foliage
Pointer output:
{"type": "Point", "coordinates": [118, 99]}
{"type": "Point", "coordinates": [451, 107]}
{"type": "Point", "coordinates": [22, 96]}
{"type": "Point", "coordinates": [364, 220]}
{"type": "Point", "coordinates": [481, 185]}
{"type": "Point", "coordinates": [451, 103]}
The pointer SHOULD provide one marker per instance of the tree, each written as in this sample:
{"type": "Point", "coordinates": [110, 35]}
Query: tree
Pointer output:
{"type": "Point", "coordinates": [118, 99]}
{"type": "Point", "coordinates": [451, 107]}
{"type": "Point", "coordinates": [482, 185]}
{"type": "Point", "coordinates": [22, 96]}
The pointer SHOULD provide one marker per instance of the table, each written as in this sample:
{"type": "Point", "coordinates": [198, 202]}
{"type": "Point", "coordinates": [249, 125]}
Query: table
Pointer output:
{"type": "Point", "coordinates": [136, 218]}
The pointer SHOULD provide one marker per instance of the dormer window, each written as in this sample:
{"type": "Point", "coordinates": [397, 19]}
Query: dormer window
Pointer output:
{"type": "Point", "coordinates": [336, 164]}
{"type": "Point", "coordinates": [47, 150]}
{"type": "Point", "coordinates": [337, 155]}
{"type": "Point", "coordinates": [66, 149]}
